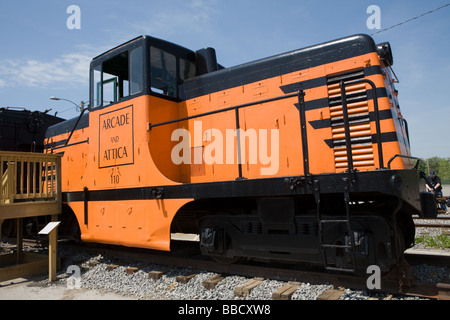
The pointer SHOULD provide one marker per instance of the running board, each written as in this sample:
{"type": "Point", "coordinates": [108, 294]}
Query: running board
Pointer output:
{"type": "Point", "coordinates": [185, 237]}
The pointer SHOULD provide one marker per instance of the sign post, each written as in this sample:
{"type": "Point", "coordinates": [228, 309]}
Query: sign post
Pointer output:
{"type": "Point", "coordinates": [51, 230]}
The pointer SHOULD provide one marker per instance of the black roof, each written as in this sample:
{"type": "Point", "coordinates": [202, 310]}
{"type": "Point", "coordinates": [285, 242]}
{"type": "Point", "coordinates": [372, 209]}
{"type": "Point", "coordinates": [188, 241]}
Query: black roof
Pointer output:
{"type": "Point", "coordinates": [277, 65]}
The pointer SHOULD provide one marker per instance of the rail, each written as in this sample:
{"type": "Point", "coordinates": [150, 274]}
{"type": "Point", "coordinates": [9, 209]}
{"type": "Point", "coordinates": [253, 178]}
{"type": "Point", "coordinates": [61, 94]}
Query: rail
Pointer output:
{"type": "Point", "coordinates": [396, 282]}
{"type": "Point", "coordinates": [30, 184]}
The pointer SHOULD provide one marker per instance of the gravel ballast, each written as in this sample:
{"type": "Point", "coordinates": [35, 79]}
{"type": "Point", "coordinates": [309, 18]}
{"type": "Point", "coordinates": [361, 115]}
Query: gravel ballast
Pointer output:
{"type": "Point", "coordinates": [138, 285]}
{"type": "Point", "coordinates": [96, 274]}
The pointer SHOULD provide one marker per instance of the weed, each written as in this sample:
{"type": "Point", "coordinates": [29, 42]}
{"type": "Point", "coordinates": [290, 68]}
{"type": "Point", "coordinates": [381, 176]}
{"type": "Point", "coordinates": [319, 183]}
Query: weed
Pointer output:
{"type": "Point", "coordinates": [441, 241]}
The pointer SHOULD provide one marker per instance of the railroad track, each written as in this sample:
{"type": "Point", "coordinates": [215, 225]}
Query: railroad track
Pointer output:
{"type": "Point", "coordinates": [432, 225]}
{"type": "Point", "coordinates": [398, 282]}
{"type": "Point", "coordinates": [424, 256]}
{"type": "Point", "coordinates": [441, 221]}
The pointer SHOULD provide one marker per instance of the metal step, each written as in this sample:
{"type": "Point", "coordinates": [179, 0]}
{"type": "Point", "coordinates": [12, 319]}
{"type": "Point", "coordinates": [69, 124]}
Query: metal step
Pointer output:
{"type": "Point", "coordinates": [334, 221]}
{"type": "Point", "coordinates": [350, 246]}
{"type": "Point", "coordinates": [339, 269]}
{"type": "Point", "coordinates": [336, 246]}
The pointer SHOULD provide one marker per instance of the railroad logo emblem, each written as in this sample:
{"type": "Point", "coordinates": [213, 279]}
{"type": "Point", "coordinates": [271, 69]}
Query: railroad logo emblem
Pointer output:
{"type": "Point", "coordinates": [116, 138]}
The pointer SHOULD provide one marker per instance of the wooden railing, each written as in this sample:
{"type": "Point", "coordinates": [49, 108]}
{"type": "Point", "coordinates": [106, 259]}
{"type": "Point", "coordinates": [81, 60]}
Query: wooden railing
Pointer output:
{"type": "Point", "coordinates": [30, 184]}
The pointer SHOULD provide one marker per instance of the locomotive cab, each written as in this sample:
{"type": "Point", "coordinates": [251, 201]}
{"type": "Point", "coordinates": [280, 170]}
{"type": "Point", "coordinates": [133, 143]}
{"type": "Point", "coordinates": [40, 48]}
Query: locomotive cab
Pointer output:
{"type": "Point", "coordinates": [144, 66]}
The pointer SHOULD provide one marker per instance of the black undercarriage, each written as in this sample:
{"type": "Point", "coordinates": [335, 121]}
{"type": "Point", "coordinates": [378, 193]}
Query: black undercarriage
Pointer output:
{"type": "Point", "coordinates": [343, 221]}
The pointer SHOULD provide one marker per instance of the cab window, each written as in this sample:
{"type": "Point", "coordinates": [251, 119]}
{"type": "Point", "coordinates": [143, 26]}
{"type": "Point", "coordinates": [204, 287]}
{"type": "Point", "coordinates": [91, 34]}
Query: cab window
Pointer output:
{"type": "Point", "coordinates": [117, 78]}
{"type": "Point", "coordinates": [187, 69]}
{"type": "Point", "coordinates": [136, 71]}
{"type": "Point", "coordinates": [163, 72]}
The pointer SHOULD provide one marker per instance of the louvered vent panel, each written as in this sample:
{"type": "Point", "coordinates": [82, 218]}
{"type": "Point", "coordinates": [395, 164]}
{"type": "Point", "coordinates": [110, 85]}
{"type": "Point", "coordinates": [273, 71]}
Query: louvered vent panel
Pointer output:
{"type": "Point", "coordinates": [359, 120]}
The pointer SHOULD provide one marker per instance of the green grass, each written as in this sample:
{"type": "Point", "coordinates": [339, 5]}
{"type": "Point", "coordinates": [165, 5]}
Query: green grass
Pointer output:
{"type": "Point", "coordinates": [441, 241]}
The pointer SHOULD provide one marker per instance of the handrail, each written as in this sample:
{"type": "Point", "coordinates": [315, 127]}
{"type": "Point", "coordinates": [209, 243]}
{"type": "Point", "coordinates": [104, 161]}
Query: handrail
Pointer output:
{"type": "Point", "coordinates": [407, 157]}
{"type": "Point", "coordinates": [222, 110]}
{"type": "Point", "coordinates": [348, 144]}
{"type": "Point", "coordinates": [302, 109]}
{"type": "Point", "coordinates": [29, 177]}
{"type": "Point", "coordinates": [236, 110]}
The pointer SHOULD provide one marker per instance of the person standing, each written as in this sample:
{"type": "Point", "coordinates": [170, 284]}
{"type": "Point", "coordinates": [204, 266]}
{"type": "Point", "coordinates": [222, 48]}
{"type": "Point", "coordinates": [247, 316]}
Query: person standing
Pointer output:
{"type": "Point", "coordinates": [436, 183]}
{"type": "Point", "coordinates": [436, 187]}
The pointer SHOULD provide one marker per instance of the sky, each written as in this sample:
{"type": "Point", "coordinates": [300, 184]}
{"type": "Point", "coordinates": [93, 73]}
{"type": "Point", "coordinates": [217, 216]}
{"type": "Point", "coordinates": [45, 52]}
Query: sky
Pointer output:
{"type": "Point", "coordinates": [42, 55]}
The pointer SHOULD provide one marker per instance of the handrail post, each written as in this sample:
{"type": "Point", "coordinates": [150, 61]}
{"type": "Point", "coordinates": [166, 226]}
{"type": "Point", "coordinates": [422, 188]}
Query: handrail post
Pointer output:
{"type": "Point", "coordinates": [11, 180]}
{"type": "Point", "coordinates": [302, 109]}
{"type": "Point", "coordinates": [238, 144]}
{"type": "Point", "coordinates": [58, 187]}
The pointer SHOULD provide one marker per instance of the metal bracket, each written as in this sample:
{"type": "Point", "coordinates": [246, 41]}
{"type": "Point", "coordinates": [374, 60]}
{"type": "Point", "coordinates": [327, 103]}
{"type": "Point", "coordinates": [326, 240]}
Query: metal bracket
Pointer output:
{"type": "Point", "coordinates": [316, 191]}
{"type": "Point", "coordinates": [294, 182]}
{"type": "Point", "coordinates": [85, 204]}
{"type": "Point", "coordinates": [157, 192]}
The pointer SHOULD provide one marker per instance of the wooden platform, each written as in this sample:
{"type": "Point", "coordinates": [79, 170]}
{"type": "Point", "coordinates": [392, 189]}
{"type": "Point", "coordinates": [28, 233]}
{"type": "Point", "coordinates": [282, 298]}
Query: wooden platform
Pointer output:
{"type": "Point", "coordinates": [30, 187]}
{"type": "Point", "coordinates": [31, 264]}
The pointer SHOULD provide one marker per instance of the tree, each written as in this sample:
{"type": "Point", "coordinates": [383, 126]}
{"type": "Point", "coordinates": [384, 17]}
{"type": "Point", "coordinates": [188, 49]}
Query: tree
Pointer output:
{"type": "Point", "coordinates": [440, 165]}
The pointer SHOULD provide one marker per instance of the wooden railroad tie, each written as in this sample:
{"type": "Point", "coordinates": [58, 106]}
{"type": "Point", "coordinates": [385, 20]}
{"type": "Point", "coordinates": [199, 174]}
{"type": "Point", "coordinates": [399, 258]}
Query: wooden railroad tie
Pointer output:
{"type": "Point", "coordinates": [157, 274]}
{"type": "Point", "coordinates": [286, 291]}
{"type": "Point", "coordinates": [131, 270]}
{"type": "Point", "coordinates": [93, 263]}
{"type": "Point", "coordinates": [245, 289]}
{"type": "Point", "coordinates": [212, 282]}
{"type": "Point", "coordinates": [111, 267]}
{"type": "Point", "coordinates": [331, 294]}
{"type": "Point", "coordinates": [185, 278]}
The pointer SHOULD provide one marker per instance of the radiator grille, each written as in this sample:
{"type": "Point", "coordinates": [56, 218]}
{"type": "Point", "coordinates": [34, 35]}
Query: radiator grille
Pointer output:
{"type": "Point", "coordinates": [359, 121]}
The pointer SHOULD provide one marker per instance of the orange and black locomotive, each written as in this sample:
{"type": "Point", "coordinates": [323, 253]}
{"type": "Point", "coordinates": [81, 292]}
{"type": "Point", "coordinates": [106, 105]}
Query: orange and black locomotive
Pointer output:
{"type": "Point", "coordinates": [303, 156]}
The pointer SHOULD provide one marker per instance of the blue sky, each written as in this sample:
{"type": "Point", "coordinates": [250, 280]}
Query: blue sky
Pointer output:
{"type": "Point", "coordinates": [40, 57]}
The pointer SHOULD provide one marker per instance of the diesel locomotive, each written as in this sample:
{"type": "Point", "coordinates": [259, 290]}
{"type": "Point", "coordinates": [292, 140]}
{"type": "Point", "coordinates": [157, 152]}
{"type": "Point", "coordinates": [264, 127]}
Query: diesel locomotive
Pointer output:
{"type": "Point", "coordinates": [301, 157]}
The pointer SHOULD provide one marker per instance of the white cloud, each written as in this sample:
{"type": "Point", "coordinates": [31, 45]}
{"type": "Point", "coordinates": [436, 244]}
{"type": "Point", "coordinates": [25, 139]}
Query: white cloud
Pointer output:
{"type": "Point", "coordinates": [172, 21]}
{"type": "Point", "coordinates": [63, 71]}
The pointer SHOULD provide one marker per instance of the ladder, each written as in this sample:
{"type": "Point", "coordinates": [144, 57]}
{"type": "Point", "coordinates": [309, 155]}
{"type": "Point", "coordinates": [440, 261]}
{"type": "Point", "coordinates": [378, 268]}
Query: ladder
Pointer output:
{"type": "Point", "coordinates": [349, 246]}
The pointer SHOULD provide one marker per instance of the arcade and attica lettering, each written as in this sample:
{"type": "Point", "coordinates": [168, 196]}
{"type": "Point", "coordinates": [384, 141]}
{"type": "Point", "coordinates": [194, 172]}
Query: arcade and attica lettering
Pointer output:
{"type": "Point", "coordinates": [116, 138]}
{"type": "Point", "coordinates": [116, 121]}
